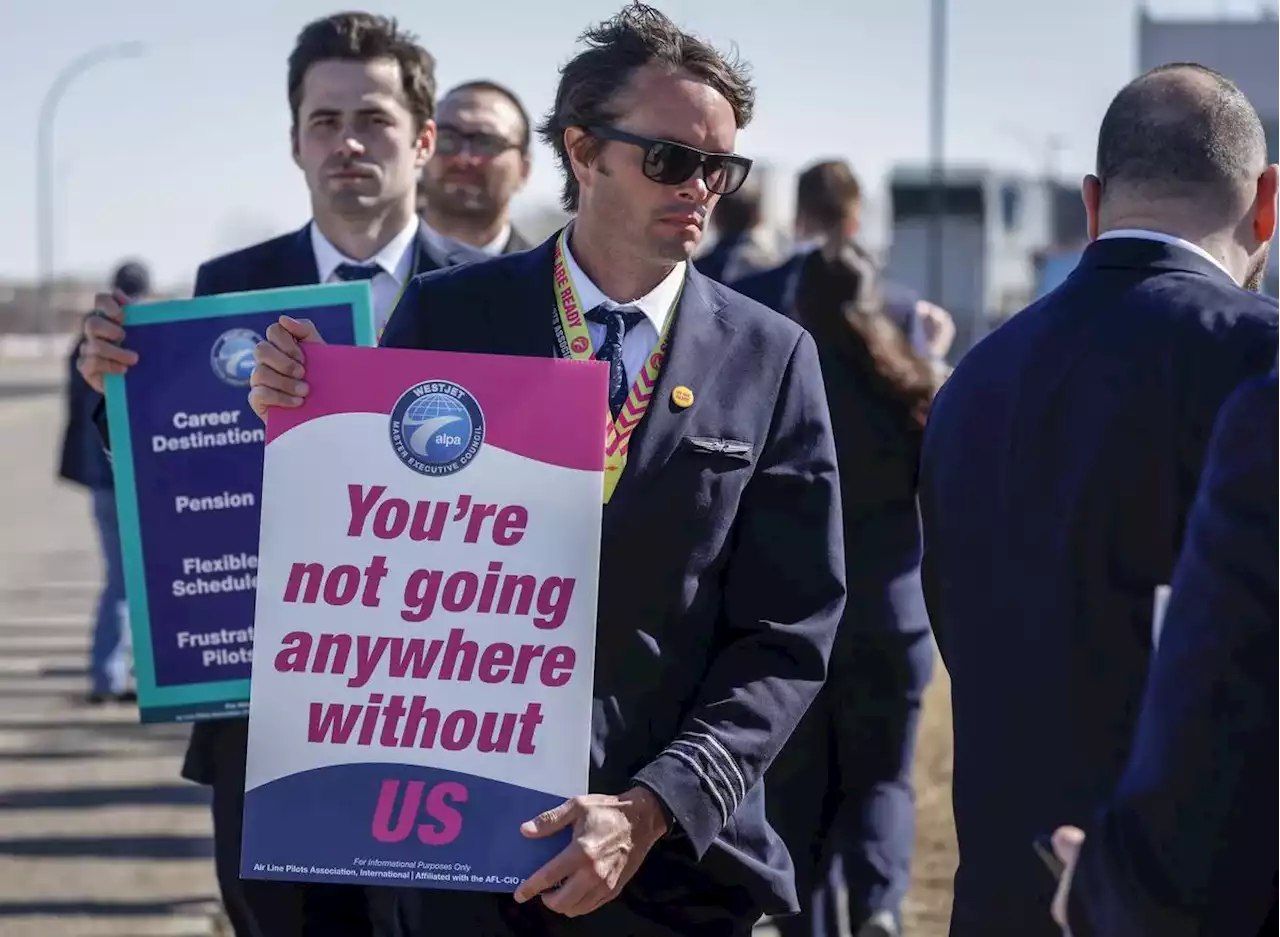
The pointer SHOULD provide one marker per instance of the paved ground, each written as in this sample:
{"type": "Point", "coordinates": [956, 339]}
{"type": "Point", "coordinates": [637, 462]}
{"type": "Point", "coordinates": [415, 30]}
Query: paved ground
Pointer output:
{"type": "Point", "coordinates": [98, 835]}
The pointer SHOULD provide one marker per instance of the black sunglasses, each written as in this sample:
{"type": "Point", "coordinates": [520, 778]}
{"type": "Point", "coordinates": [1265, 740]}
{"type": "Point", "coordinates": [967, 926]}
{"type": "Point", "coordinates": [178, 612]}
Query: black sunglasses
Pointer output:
{"type": "Point", "coordinates": [450, 141]}
{"type": "Point", "coordinates": [670, 163]}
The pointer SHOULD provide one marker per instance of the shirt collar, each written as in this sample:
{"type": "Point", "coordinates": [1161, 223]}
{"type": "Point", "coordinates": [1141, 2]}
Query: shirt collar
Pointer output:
{"type": "Point", "coordinates": [1145, 235]}
{"type": "Point", "coordinates": [395, 259]}
{"type": "Point", "coordinates": [655, 304]}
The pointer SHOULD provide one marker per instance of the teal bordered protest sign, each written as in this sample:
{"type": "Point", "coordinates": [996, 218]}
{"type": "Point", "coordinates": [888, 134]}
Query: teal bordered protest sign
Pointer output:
{"type": "Point", "coordinates": [187, 454]}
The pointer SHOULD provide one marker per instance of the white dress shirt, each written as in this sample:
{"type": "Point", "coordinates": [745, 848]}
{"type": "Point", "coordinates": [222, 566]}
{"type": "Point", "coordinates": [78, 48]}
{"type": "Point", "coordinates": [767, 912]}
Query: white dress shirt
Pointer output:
{"type": "Point", "coordinates": [643, 336]}
{"type": "Point", "coordinates": [1144, 235]}
{"type": "Point", "coordinates": [395, 263]}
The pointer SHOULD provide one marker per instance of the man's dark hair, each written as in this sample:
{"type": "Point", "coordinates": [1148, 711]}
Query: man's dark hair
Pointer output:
{"type": "Point", "coordinates": [1181, 130]}
{"type": "Point", "coordinates": [742, 211]}
{"type": "Point", "coordinates": [364, 37]}
{"type": "Point", "coordinates": [839, 301]}
{"type": "Point", "coordinates": [484, 84]}
{"type": "Point", "coordinates": [826, 192]}
{"type": "Point", "coordinates": [132, 278]}
{"type": "Point", "coordinates": [590, 83]}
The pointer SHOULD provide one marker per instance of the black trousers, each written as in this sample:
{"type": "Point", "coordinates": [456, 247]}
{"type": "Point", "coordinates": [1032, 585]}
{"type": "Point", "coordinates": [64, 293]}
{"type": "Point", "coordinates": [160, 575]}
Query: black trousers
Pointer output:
{"type": "Point", "coordinates": [258, 908]}
{"type": "Point", "coordinates": [478, 914]}
{"type": "Point", "coordinates": [840, 792]}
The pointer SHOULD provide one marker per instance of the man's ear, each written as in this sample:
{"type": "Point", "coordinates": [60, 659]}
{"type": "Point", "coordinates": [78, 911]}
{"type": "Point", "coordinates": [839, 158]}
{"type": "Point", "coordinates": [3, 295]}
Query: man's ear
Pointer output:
{"type": "Point", "coordinates": [1264, 205]}
{"type": "Point", "coordinates": [426, 144]}
{"type": "Point", "coordinates": [1091, 195]}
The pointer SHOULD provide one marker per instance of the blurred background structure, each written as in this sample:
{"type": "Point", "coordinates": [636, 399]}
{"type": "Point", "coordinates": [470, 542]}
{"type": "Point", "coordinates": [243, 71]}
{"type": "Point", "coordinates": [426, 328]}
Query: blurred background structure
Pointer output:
{"type": "Point", "coordinates": [998, 196]}
{"type": "Point", "coordinates": [159, 130]}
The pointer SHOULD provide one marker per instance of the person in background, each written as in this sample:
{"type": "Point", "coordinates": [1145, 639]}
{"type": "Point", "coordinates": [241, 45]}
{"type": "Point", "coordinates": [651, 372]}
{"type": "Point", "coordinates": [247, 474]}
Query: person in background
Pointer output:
{"type": "Point", "coordinates": [85, 463]}
{"type": "Point", "coordinates": [1059, 465]}
{"type": "Point", "coordinates": [840, 791]}
{"type": "Point", "coordinates": [829, 205]}
{"type": "Point", "coordinates": [481, 162]}
{"type": "Point", "coordinates": [742, 246]}
{"type": "Point", "coordinates": [361, 93]}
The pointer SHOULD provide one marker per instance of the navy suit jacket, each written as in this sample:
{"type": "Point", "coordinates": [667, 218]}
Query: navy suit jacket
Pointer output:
{"type": "Point", "coordinates": [1187, 845]}
{"type": "Point", "coordinates": [772, 286]}
{"type": "Point", "coordinates": [722, 571]}
{"type": "Point", "coordinates": [82, 460]}
{"type": "Point", "coordinates": [1058, 468]}
{"type": "Point", "coordinates": [290, 261]}
{"type": "Point", "coordinates": [769, 287]}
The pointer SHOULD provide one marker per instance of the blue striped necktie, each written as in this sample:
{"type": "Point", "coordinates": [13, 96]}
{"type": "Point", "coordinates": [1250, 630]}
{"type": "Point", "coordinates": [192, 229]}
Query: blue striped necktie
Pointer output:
{"type": "Point", "coordinates": [351, 272]}
{"type": "Point", "coordinates": [617, 322]}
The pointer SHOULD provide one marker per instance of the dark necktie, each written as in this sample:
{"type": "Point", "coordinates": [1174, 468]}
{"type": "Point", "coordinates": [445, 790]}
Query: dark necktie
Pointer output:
{"type": "Point", "coordinates": [617, 321]}
{"type": "Point", "coordinates": [351, 272]}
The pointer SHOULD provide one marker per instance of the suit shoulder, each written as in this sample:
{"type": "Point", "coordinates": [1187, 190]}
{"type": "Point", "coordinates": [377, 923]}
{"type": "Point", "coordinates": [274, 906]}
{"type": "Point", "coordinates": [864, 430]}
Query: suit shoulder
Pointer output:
{"type": "Point", "coordinates": [470, 275]}
{"type": "Point", "coordinates": [1218, 306]}
{"type": "Point", "coordinates": [764, 275]}
{"type": "Point", "coordinates": [251, 256]}
{"type": "Point", "coordinates": [756, 318]}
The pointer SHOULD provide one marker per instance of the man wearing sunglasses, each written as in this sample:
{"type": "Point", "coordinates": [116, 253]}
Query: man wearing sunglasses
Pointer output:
{"type": "Point", "coordinates": [481, 161]}
{"type": "Point", "coordinates": [722, 568]}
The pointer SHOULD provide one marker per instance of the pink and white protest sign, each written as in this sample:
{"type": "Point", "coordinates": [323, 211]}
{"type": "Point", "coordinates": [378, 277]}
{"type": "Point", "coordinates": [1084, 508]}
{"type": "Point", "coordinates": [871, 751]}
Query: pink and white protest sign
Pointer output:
{"type": "Point", "coordinates": [426, 615]}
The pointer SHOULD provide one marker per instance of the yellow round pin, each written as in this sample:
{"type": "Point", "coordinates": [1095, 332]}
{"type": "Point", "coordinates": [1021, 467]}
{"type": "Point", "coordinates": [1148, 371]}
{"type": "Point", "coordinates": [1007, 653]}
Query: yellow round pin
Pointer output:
{"type": "Point", "coordinates": [682, 396]}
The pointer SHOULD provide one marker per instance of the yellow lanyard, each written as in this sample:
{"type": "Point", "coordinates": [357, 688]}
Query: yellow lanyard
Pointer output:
{"type": "Point", "coordinates": [575, 343]}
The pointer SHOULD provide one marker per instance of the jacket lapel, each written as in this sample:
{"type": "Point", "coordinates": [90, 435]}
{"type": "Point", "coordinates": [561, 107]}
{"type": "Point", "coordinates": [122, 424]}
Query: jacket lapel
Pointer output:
{"type": "Point", "coordinates": [700, 339]}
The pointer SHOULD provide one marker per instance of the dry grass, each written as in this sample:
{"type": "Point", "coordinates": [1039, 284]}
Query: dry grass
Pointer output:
{"type": "Point", "coordinates": [928, 905]}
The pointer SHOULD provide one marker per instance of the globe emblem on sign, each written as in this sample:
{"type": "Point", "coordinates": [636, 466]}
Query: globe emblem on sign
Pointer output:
{"type": "Point", "coordinates": [232, 356]}
{"type": "Point", "coordinates": [436, 428]}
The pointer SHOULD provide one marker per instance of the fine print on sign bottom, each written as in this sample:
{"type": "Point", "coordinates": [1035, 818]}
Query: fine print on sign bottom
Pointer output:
{"type": "Point", "coordinates": [459, 874]}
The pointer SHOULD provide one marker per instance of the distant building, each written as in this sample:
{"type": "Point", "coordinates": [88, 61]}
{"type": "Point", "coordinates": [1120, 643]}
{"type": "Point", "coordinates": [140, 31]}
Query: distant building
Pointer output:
{"type": "Point", "coordinates": [1246, 50]}
{"type": "Point", "coordinates": [22, 309]}
{"type": "Point", "coordinates": [994, 228]}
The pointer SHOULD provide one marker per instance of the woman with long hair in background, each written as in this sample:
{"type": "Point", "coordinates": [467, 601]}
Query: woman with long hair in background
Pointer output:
{"type": "Point", "coordinates": [840, 793]}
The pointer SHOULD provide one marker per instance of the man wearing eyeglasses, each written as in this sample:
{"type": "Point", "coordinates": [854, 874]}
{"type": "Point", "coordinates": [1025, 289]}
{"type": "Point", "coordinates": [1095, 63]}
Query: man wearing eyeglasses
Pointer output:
{"type": "Point", "coordinates": [481, 161]}
{"type": "Point", "coordinates": [722, 568]}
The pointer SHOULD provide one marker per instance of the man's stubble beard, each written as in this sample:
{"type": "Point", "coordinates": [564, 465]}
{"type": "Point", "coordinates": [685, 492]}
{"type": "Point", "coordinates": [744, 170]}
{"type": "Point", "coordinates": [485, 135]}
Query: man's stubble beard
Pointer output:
{"type": "Point", "coordinates": [353, 206]}
{"type": "Point", "coordinates": [480, 211]}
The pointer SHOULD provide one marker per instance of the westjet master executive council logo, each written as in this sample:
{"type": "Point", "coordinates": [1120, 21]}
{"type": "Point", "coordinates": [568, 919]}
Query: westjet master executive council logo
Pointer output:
{"type": "Point", "coordinates": [232, 356]}
{"type": "Point", "coordinates": [437, 427]}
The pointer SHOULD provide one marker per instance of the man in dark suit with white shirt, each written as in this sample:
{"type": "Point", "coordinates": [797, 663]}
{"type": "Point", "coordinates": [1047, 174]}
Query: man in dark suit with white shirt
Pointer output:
{"type": "Point", "coordinates": [1186, 846]}
{"type": "Point", "coordinates": [722, 568]}
{"type": "Point", "coordinates": [362, 94]}
{"type": "Point", "coordinates": [1059, 465]}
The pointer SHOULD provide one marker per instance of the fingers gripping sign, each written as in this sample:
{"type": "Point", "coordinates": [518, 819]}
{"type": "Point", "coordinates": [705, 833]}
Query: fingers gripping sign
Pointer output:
{"type": "Point", "coordinates": [1067, 842]}
{"type": "Point", "coordinates": [278, 374]}
{"type": "Point", "coordinates": [100, 350]}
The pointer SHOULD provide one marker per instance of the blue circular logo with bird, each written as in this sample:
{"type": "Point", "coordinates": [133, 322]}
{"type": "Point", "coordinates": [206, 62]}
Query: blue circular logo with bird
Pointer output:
{"type": "Point", "coordinates": [437, 427]}
{"type": "Point", "coordinates": [232, 356]}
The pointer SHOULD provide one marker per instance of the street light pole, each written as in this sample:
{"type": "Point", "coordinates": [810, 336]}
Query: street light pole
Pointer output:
{"type": "Point", "coordinates": [44, 161]}
{"type": "Point", "coordinates": [937, 146]}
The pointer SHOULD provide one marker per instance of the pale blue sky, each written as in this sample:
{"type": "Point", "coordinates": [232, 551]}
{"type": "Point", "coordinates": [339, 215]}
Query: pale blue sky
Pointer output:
{"type": "Point", "coordinates": [183, 153]}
